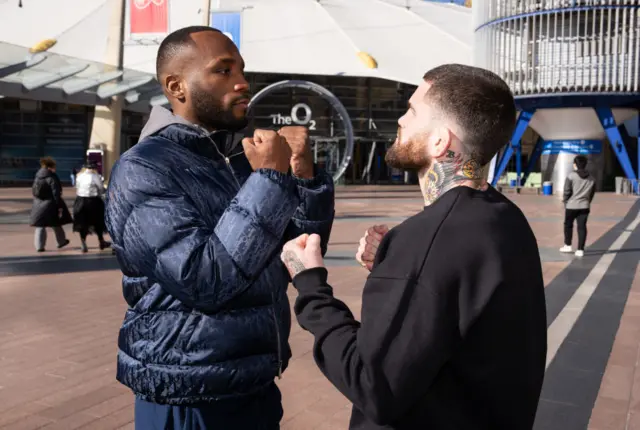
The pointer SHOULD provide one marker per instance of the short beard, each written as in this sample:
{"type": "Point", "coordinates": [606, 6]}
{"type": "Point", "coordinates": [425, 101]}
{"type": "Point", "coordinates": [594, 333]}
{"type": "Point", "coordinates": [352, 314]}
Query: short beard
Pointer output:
{"type": "Point", "coordinates": [211, 113]}
{"type": "Point", "coordinates": [411, 155]}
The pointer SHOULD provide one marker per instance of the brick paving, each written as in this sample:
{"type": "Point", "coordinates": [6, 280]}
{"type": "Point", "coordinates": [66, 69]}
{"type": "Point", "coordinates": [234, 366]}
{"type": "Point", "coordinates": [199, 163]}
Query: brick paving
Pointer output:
{"type": "Point", "coordinates": [61, 311]}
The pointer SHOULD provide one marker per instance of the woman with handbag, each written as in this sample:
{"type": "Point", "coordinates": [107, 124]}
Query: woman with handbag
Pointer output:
{"type": "Point", "coordinates": [88, 209]}
{"type": "Point", "coordinates": [49, 210]}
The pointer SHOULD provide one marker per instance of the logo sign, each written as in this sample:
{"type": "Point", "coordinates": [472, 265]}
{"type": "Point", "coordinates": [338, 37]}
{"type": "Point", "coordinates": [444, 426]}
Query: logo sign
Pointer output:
{"type": "Point", "coordinates": [229, 23]}
{"type": "Point", "coordinates": [148, 16]}
{"type": "Point", "coordinates": [301, 114]}
{"type": "Point", "coordinates": [143, 4]}
{"type": "Point", "coordinates": [295, 117]}
{"type": "Point", "coordinates": [583, 147]}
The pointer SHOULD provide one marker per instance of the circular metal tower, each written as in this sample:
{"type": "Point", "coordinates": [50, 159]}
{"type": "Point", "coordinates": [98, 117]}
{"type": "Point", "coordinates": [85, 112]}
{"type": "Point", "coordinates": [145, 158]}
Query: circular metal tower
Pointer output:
{"type": "Point", "coordinates": [575, 63]}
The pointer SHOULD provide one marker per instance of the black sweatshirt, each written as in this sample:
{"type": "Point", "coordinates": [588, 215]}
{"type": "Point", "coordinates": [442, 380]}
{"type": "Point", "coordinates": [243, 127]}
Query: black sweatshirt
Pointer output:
{"type": "Point", "coordinates": [453, 333]}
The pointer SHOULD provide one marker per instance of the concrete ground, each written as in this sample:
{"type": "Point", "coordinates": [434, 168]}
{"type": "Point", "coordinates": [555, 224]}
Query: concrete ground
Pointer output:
{"type": "Point", "coordinates": [60, 313]}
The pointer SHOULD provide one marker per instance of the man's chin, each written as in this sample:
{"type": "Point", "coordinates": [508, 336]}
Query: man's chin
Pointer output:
{"type": "Point", "coordinates": [237, 124]}
{"type": "Point", "coordinates": [401, 164]}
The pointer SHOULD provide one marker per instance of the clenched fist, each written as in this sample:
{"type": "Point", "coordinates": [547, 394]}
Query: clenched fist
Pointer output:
{"type": "Point", "coordinates": [369, 245]}
{"type": "Point", "coordinates": [297, 138]}
{"type": "Point", "coordinates": [267, 150]}
{"type": "Point", "coordinates": [302, 253]}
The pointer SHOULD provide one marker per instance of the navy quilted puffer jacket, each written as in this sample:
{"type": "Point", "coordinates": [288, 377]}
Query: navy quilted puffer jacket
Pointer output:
{"type": "Point", "coordinates": [198, 237]}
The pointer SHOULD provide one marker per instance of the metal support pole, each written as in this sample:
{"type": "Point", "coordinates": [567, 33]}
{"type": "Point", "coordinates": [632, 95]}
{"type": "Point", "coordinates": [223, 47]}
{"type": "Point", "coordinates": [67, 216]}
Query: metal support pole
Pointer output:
{"type": "Point", "coordinates": [533, 159]}
{"type": "Point", "coordinates": [521, 127]}
{"type": "Point", "coordinates": [518, 163]}
{"type": "Point", "coordinates": [615, 139]}
{"type": "Point", "coordinates": [637, 190]}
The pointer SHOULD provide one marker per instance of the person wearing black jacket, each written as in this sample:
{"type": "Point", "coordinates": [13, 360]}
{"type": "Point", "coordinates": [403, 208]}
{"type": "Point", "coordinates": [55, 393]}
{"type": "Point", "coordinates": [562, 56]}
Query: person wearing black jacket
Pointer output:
{"type": "Point", "coordinates": [48, 210]}
{"type": "Point", "coordinates": [453, 330]}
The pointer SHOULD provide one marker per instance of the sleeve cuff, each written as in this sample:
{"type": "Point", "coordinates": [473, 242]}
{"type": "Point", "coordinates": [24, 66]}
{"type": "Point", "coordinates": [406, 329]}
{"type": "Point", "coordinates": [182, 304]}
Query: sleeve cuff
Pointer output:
{"type": "Point", "coordinates": [311, 279]}
{"type": "Point", "coordinates": [316, 197]}
{"type": "Point", "coordinates": [320, 177]}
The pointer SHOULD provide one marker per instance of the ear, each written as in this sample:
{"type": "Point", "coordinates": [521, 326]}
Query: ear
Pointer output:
{"type": "Point", "coordinates": [175, 87]}
{"type": "Point", "coordinates": [440, 142]}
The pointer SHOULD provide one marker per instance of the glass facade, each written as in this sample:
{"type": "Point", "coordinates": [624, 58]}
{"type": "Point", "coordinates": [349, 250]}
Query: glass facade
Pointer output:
{"type": "Point", "coordinates": [374, 106]}
{"type": "Point", "coordinates": [32, 129]}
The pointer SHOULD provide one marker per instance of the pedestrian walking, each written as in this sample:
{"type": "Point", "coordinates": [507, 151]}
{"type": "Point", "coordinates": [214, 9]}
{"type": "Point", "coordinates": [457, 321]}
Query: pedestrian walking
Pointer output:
{"type": "Point", "coordinates": [49, 209]}
{"type": "Point", "coordinates": [88, 208]}
{"type": "Point", "coordinates": [579, 189]}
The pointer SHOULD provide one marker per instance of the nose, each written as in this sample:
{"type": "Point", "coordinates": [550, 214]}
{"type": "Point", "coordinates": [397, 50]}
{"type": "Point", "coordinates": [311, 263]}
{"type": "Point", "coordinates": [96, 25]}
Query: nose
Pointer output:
{"type": "Point", "coordinates": [402, 120]}
{"type": "Point", "coordinates": [242, 86]}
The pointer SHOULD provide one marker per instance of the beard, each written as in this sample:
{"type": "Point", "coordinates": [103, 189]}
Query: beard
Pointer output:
{"type": "Point", "coordinates": [411, 155]}
{"type": "Point", "coordinates": [211, 113]}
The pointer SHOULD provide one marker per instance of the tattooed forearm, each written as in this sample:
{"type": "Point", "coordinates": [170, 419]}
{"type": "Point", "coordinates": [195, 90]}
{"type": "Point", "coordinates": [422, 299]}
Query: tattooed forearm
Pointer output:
{"type": "Point", "coordinates": [293, 263]}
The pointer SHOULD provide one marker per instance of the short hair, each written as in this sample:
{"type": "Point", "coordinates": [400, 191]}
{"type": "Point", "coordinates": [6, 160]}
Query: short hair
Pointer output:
{"type": "Point", "coordinates": [580, 161]}
{"type": "Point", "coordinates": [48, 163]}
{"type": "Point", "coordinates": [481, 104]}
{"type": "Point", "coordinates": [175, 42]}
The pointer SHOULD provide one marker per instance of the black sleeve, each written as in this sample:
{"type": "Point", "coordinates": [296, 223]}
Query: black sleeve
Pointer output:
{"type": "Point", "coordinates": [56, 190]}
{"type": "Point", "coordinates": [385, 364]}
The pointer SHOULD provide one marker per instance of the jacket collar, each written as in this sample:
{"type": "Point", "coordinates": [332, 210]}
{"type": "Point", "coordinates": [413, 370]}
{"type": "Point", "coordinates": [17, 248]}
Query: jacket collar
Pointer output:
{"type": "Point", "coordinates": [164, 123]}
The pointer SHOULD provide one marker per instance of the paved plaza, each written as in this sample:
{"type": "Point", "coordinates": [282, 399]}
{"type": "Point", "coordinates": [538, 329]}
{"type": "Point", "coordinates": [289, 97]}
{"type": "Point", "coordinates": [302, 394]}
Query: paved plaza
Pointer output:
{"type": "Point", "coordinates": [60, 312]}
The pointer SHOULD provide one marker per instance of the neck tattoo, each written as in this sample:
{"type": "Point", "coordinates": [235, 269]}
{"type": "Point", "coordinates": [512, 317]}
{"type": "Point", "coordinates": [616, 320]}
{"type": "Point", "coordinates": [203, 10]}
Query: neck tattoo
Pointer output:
{"type": "Point", "coordinates": [452, 170]}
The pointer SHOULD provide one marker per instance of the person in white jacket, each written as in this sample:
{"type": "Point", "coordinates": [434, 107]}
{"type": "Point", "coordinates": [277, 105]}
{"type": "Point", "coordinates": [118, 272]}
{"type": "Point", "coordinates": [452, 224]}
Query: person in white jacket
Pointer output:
{"type": "Point", "coordinates": [88, 208]}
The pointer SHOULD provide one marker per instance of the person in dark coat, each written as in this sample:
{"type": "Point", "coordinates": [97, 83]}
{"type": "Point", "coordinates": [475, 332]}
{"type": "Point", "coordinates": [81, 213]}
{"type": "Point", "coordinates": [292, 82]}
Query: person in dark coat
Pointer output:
{"type": "Point", "coordinates": [197, 220]}
{"type": "Point", "coordinates": [88, 208]}
{"type": "Point", "coordinates": [49, 210]}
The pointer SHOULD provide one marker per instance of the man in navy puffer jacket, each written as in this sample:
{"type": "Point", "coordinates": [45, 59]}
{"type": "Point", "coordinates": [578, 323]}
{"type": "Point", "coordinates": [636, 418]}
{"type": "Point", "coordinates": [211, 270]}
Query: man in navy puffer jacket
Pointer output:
{"type": "Point", "coordinates": [198, 225]}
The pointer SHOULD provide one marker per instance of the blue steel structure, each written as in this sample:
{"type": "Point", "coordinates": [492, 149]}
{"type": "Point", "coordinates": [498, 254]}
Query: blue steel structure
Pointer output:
{"type": "Point", "coordinates": [582, 54]}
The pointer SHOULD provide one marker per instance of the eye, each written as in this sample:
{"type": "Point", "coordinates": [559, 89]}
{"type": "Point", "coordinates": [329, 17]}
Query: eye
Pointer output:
{"type": "Point", "coordinates": [224, 71]}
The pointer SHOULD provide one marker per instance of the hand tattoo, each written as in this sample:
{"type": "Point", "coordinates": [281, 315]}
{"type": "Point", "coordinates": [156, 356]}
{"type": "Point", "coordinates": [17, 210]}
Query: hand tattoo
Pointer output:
{"type": "Point", "coordinates": [293, 263]}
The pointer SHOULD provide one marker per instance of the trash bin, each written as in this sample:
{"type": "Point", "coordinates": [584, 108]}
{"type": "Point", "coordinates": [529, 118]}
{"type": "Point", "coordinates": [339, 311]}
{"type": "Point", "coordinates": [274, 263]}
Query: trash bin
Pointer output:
{"type": "Point", "coordinates": [547, 188]}
{"type": "Point", "coordinates": [397, 176]}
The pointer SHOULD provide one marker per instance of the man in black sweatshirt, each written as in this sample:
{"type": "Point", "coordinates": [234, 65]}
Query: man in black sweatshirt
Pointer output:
{"type": "Point", "coordinates": [453, 330]}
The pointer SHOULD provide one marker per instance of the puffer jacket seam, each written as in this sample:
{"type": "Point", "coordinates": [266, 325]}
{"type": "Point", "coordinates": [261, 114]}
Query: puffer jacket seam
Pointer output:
{"type": "Point", "coordinates": [187, 366]}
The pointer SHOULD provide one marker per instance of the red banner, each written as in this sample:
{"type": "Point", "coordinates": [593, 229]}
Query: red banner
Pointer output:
{"type": "Point", "coordinates": [149, 16]}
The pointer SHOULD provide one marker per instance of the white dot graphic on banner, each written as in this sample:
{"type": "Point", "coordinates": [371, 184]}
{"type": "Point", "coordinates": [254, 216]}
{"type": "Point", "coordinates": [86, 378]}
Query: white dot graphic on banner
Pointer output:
{"type": "Point", "coordinates": [229, 35]}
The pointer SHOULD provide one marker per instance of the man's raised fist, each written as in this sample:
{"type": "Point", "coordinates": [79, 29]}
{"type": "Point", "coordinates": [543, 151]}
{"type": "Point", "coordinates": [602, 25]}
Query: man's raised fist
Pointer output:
{"type": "Point", "coordinates": [297, 137]}
{"type": "Point", "coordinates": [267, 150]}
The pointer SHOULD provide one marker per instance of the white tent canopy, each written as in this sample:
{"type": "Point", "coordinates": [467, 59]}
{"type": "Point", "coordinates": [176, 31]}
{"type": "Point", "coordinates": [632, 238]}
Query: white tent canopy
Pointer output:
{"type": "Point", "coordinates": [316, 37]}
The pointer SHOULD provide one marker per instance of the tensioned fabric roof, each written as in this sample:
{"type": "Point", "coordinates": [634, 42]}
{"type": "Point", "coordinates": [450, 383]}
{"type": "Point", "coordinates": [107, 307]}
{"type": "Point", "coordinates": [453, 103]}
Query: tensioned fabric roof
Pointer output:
{"type": "Point", "coordinates": [322, 37]}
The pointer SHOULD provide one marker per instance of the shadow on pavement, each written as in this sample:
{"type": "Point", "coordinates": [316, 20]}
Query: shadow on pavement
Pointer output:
{"type": "Point", "coordinates": [613, 251]}
{"type": "Point", "coordinates": [56, 264]}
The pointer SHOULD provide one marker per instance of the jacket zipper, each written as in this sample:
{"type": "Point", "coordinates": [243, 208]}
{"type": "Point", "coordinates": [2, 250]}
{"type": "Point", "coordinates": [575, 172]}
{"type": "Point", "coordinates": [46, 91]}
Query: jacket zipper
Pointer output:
{"type": "Point", "coordinates": [227, 161]}
{"type": "Point", "coordinates": [275, 322]}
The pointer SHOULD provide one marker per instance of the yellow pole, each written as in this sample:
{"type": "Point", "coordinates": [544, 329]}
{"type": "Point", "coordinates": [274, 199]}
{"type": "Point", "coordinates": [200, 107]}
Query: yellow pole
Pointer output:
{"type": "Point", "coordinates": [106, 127]}
{"type": "Point", "coordinates": [206, 12]}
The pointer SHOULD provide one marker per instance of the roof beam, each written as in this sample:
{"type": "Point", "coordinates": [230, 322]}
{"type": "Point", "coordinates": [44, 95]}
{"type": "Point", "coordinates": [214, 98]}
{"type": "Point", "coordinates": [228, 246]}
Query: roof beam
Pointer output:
{"type": "Point", "coordinates": [18, 67]}
{"type": "Point", "coordinates": [36, 82]}
{"type": "Point", "coordinates": [71, 87]}
{"type": "Point", "coordinates": [110, 90]}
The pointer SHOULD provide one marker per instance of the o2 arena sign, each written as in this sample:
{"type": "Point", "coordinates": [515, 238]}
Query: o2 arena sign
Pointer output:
{"type": "Point", "coordinates": [301, 114]}
{"type": "Point", "coordinates": [294, 118]}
